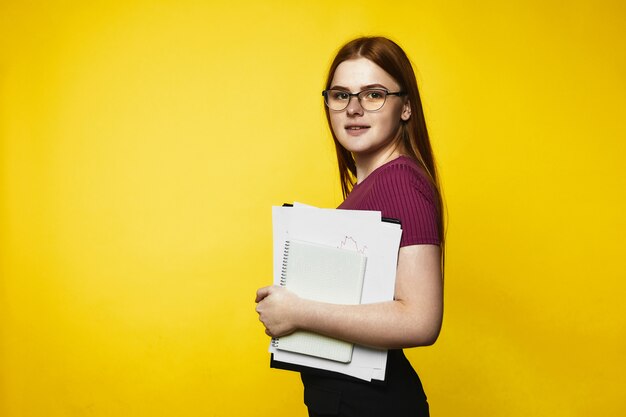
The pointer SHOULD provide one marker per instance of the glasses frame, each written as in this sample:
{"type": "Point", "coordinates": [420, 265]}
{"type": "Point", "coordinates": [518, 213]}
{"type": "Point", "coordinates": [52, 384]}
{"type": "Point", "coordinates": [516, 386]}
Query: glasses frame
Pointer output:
{"type": "Point", "coordinates": [359, 97]}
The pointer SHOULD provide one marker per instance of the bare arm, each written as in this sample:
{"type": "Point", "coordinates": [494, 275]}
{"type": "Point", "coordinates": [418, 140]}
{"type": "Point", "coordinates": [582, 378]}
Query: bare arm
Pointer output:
{"type": "Point", "coordinates": [412, 319]}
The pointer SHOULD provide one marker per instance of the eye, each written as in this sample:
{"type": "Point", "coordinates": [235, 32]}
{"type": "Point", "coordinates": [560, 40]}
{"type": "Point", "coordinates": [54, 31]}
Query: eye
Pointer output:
{"type": "Point", "coordinates": [339, 95]}
{"type": "Point", "coordinates": [374, 94]}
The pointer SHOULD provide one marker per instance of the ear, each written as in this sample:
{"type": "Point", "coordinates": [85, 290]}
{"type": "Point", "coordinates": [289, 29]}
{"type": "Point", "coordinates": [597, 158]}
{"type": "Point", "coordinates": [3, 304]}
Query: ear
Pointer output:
{"type": "Point", "coordinates": [406, 111]}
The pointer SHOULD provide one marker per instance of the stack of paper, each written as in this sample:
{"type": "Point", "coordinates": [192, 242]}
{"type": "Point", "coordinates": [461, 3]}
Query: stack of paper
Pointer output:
{"type": "Point", "coordinates": [362, 232]}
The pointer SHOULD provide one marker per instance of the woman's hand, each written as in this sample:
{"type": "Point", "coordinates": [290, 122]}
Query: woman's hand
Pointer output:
{"type": "Point", "coordinates": [277, 308]}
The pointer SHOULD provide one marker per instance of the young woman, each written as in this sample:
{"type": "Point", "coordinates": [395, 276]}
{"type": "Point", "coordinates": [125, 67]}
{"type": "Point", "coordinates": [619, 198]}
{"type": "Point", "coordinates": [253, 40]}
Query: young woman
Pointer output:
{"type": "Point", "coordinates": [386, 164]}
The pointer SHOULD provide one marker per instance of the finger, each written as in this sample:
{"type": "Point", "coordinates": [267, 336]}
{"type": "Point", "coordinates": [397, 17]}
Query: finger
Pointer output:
{"type": "Point", "coordinates": [267, 332]}
{"type": "Point", "coordinates": [261, 293]}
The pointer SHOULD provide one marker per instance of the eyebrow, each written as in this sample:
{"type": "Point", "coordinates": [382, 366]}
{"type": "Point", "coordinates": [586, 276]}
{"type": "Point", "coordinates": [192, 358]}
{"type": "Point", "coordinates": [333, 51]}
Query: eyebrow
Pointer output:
{"type": "Point", "coordinates": [365, 87]}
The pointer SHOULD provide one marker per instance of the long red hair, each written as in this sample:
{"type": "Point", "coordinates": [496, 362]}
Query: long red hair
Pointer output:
{"type": "Point", "coordinates": [412, 135]}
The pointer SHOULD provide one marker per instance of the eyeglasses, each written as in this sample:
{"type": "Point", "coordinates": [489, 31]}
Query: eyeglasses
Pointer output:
{"type": "Point", "coordinates": [370, 100]}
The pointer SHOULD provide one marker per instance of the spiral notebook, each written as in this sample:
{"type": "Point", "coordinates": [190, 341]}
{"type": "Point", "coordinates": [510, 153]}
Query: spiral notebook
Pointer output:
{"type": "Point", "coordinates": [321, 273]}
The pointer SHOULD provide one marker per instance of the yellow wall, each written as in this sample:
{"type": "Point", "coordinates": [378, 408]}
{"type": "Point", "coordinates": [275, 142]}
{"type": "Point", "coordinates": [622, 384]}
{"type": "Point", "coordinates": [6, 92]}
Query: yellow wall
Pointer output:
{"type": "Point", "coordinates": [143, 143]}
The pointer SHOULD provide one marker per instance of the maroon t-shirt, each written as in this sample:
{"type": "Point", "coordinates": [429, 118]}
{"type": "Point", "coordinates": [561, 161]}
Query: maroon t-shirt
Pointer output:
{"type": "Point", "coordinates": [400, 190]}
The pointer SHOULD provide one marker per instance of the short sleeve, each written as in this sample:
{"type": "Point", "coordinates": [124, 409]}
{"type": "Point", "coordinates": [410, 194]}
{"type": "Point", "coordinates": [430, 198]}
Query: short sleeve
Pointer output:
{"type": "Point", "coordinates": [402, 192]}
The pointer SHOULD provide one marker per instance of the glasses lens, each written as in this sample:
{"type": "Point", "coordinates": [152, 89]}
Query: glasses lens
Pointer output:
{"type": "Point", "coordinates": [337, 99]}
{"type": "Point", "coordinates": [372, 99]}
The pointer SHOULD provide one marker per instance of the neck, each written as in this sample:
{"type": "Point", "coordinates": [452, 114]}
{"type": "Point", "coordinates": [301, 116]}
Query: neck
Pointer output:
{"type": "Point", "coordinates": [366, 164]}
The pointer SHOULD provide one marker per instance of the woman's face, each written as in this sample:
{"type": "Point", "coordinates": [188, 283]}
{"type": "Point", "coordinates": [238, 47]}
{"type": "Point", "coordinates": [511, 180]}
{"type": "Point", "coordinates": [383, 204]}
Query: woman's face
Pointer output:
{"type": "Point", "coordinates": [367, 133]}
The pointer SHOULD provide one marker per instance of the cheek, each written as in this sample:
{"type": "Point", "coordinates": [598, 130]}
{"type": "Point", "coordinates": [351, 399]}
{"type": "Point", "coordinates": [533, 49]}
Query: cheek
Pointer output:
{"type": "Point", "coordinates": [392, 120]}
{"type": "Point", "coordinates": [335, 124]}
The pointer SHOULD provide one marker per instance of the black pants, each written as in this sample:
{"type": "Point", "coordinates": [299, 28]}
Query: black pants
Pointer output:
{"type": "Point", "coordinates": [400, 395]}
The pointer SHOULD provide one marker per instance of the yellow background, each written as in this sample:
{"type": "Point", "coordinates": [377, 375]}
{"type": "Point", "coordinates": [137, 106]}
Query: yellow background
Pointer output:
{"type": "Point", "coordinates": [142, 145]}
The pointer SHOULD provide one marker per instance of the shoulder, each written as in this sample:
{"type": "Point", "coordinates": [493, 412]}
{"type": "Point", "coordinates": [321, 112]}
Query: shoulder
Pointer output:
{"type": "Point", "coordinates": [402, 190]}
{"type": "Point", "coordinates": [403, 177]}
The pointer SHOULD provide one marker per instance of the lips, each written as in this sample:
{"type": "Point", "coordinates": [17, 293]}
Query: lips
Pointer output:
{"type": "Point", "coordinates": [356, 127]}
{"type": "Point", "coordinates": [356, 130]}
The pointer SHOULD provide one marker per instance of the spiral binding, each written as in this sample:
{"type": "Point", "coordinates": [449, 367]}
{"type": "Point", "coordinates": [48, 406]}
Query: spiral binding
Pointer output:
{"type": "Point", "coordinates": [283, 281]}
{"type": "Point", "coordinates": [283, 270]}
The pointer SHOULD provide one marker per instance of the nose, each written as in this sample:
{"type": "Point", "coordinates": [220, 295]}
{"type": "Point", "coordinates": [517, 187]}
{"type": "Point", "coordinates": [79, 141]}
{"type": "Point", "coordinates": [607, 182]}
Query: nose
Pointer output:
{"type": "Point", "coordinates": [354, 107]}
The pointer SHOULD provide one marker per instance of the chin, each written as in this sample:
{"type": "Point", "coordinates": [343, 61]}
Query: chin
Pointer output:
{"type": "Point", "coordinates": [354, 149]}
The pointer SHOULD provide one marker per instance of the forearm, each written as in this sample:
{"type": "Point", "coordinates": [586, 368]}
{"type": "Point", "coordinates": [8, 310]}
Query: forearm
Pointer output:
{"type": "Point", "coordinates": [390, 325]}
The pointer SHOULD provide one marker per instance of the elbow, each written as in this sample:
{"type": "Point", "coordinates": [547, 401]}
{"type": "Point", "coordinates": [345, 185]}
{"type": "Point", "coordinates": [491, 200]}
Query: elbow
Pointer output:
{"type": "Point", "coordinates": [424, 334]}
{"type": "Point", "coordinates": [430, 338]}
{"type": "Point", "coordinates": [420, 327]}
{"type": "Point", "coordinates": [424, 338]}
